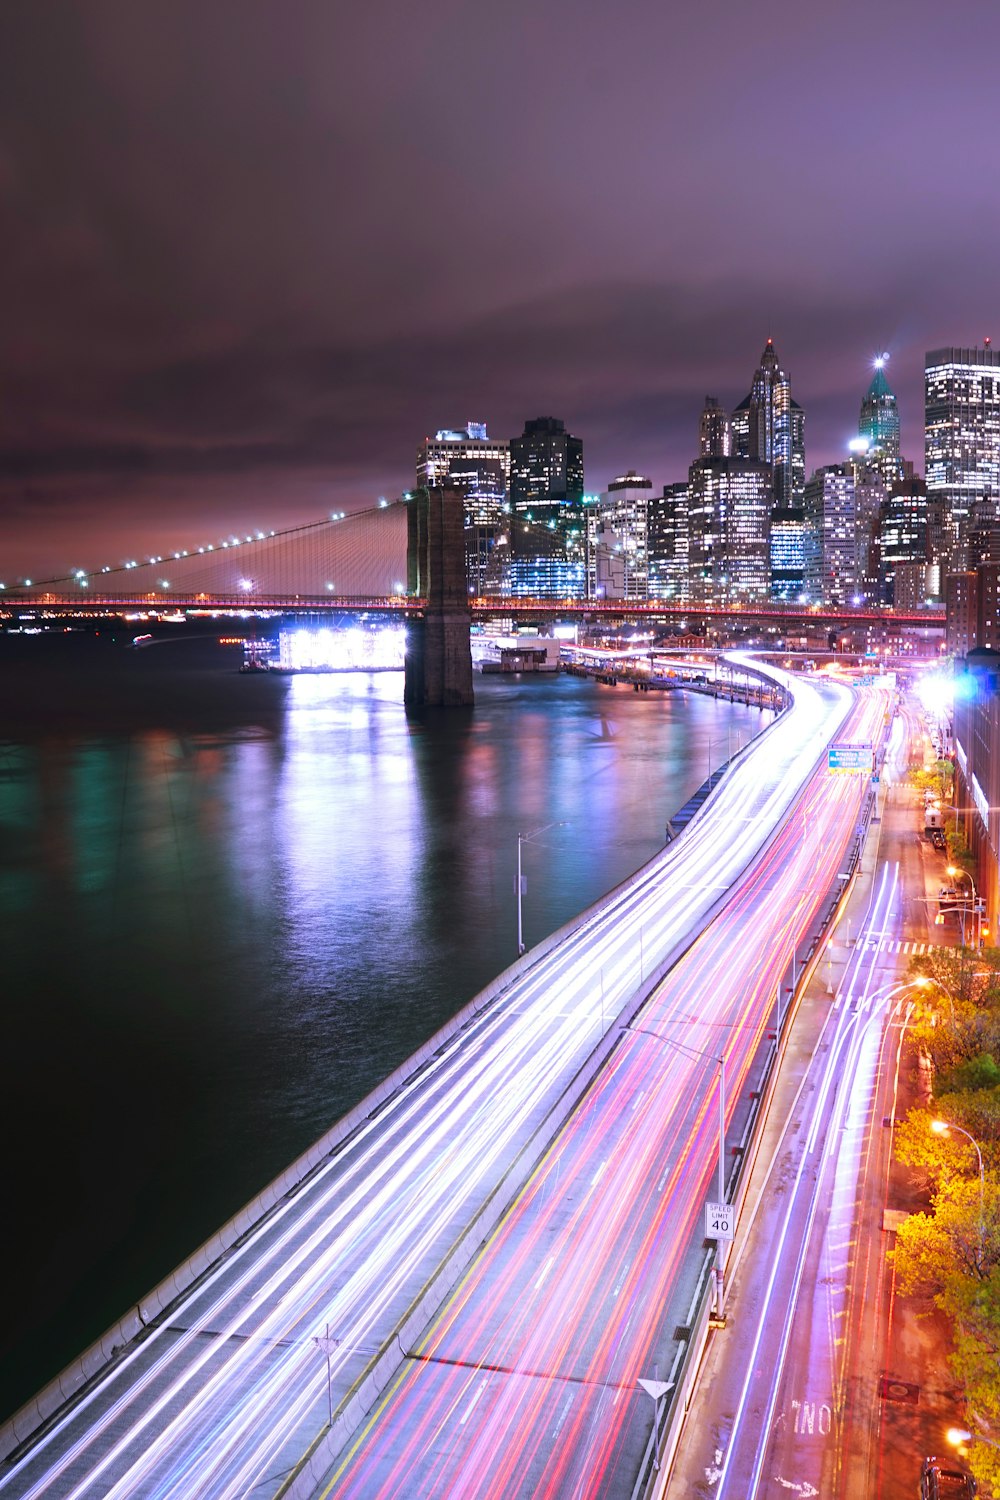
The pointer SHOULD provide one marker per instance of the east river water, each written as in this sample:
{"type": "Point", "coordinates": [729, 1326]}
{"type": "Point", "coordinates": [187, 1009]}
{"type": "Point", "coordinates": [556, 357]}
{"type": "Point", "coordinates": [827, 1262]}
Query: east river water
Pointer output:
{"type": "Point", "coordinates": [230, 905]}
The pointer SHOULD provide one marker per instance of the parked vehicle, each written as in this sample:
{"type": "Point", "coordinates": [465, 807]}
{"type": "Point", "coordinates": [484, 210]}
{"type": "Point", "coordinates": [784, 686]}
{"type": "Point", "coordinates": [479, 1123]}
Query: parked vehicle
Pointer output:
{"type": "Point", "coordinates": [937, 1483]}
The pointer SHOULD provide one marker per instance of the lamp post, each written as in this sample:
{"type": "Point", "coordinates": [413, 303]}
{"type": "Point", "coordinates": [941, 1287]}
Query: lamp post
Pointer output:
{"type": "Point", "coordinates": [521, 884]}
{"type": "Point", "coordinates": [328, 1344]}
{"type": "Point", "coordinates": [922, 983]}
{"type": "Point", "coordinates": [721, 1064]}
{"type": "Point", "coordinates": [959, 1436]}
{"type": "Point", "coordinates": [941, 1127]}
{"type": "Point", "coordinates": [954, 872]}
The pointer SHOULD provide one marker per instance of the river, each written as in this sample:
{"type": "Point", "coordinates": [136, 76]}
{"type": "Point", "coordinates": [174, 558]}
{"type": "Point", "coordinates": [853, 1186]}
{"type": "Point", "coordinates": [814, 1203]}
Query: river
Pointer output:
{"type": "Point", "coordinates": [230, 905]}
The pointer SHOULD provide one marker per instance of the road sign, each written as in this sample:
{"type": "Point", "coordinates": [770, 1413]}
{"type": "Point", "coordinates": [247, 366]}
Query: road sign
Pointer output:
{"type": "Point", "coordinates": [719, 1221]}
{"type": "Point", "coordinates": [850, 758]}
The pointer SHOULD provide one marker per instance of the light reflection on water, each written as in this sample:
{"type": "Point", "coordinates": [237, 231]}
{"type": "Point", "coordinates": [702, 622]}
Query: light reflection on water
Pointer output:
{"type": "Point", "coordinates": [219, 941]}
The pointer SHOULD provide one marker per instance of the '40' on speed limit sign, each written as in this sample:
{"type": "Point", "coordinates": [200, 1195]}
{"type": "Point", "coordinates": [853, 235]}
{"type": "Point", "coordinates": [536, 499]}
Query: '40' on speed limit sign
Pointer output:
{"type": "Point", "coordinates": [719, 1221]}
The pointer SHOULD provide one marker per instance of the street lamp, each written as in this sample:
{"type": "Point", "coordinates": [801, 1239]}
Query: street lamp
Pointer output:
{"type": "Point", "coordinates": [954, 872]}
{"type": "Point", "coordinates": [922, 983]}
{"type": "Point", "coordinates": [721, 1063]}
{"type": "Point", "coordinates": [959, 1436]}
{"type": "Point", "coordinates": [941, 1127]}
{"type": "Point", "coordinates": [521, 884]}
{"type": "Point", "coordinates": [328, 1344]}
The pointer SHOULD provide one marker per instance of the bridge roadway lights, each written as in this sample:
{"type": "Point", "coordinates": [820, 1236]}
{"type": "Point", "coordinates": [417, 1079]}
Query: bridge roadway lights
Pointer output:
{"type": "Point", "coordinates": [438, 667]}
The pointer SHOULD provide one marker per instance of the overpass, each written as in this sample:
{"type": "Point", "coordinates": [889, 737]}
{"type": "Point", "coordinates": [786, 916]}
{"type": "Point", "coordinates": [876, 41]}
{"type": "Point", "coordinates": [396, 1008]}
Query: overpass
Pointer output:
{"type": "Point", "coordinates": [498, 1245]}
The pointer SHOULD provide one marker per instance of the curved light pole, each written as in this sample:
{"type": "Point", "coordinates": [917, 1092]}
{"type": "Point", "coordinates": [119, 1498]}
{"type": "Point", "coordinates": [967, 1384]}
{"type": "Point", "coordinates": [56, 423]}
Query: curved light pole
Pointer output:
{"type": "Point", "coordinates": [959, 1436]}
{"type": "Point", "coordinates": [521, 885]}
{"type": "Point", "coordinates": [941, 1127]}
{"type": "Point", "coordinates": [720, 1062]}
{"type": "Point", "coordinates": [922, 983]}
{"type": "Point", "coordinates": [954, 872]}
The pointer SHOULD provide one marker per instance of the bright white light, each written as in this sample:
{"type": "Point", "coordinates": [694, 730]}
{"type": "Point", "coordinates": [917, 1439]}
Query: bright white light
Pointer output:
{"type": "Point", "coordinates": [246, 584]}
{"type": "Point", "coordinates": [858, 445]}
{"type": "Point", "coordinates": [349, 649]}
{"type": "Point", "coordinates": [936, 692]}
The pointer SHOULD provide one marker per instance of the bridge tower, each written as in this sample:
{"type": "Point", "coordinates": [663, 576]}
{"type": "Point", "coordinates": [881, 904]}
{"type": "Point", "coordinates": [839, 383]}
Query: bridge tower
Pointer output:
{"type": "Point", "coordinates": [438, 652]}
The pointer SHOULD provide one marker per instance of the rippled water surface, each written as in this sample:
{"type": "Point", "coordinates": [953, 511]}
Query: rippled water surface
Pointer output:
{"type": "Point", "coordinates": [230, 905]}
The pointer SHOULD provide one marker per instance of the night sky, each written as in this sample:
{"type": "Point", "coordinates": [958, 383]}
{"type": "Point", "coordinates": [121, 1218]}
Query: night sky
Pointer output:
{"type": "Point", "coordinates": [252, 252]}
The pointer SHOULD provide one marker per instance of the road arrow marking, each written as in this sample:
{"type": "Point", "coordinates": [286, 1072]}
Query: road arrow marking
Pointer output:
{"type": "Point", "coordinates": [713, 1475]}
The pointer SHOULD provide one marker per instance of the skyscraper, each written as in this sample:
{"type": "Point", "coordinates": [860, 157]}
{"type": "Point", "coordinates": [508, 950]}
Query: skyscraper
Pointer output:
{"type": "Point", "coordinates": [878, 424]}
{"type": "Point", "coordinates": [546, 487]}
{"type": "Point", "coordinates": [770, 427]}
{"type": "Point", "coordinates": [729, 530]}
{"type": "Point", "coordinates": [667, 539]}
{"type": "Point", "coordinates": [624, 515]}
{"type": "Point", "coordinates": [904, 533]}
{"type": "Point", "coordinates": [478, 466]}
{"type": "Point", "coordinates": [715, 436]}
{"type": "Point", "coordinates": [831, 553]}
{"type": "Point", "coordinates": [961, 442]}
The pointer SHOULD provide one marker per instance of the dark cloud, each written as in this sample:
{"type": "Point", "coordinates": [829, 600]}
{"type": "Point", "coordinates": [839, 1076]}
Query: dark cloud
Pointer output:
{"type": "Point", "coordinates": [254, 252]}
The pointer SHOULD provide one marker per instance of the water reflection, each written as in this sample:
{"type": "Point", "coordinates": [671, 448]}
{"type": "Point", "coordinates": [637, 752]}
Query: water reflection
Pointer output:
{"type": "Point", "coordinates": [219, 938]}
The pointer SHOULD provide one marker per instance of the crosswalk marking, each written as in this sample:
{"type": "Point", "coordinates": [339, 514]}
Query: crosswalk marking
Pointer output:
{"type": "Point", "coordinates": [897, 945]}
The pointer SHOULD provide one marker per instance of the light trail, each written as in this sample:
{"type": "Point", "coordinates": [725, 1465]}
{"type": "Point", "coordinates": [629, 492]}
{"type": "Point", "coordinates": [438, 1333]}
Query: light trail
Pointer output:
{"type": "Point", "coordinates": [227, 1393]}
{"type": "Point", "coordinates": [564, 1357]}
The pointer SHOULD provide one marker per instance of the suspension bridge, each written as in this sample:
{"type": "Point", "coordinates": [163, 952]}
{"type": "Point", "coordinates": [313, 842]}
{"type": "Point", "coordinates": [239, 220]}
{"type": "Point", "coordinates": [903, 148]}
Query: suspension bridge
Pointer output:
{"type": "Point", "coordinates": [404, 558]}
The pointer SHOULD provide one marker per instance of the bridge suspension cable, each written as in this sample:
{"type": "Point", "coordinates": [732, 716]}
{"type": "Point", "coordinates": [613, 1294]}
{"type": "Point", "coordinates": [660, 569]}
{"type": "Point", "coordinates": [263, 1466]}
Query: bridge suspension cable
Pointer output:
{"type": "Point", "coordinates": [363, 555]}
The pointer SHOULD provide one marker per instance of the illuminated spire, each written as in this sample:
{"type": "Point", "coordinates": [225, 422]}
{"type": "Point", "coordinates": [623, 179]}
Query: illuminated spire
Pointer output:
{"type": "Point", "coordinates": [879, 422]}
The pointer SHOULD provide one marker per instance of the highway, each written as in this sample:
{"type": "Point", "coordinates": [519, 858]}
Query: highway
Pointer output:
{"type": "Point", "coordinates": [527, 1385]}
{"type": "Point", "coordinates": [789, 1405]}
{"type": "Point", "coordinates": [783, 1384]}
{"type": "Point", "coordinates": [230, 1391]}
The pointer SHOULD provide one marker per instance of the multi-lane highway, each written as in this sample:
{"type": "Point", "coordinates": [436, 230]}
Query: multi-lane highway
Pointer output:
{"type": "Point", "coordinates": [528, 1383]}
{"type": "Point", "coordinates": [537, 1352]}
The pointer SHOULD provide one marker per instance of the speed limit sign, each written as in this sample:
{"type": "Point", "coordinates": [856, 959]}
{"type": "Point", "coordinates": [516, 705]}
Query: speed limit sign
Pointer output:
{"type": "Point", "coordinates": [719, 1221]}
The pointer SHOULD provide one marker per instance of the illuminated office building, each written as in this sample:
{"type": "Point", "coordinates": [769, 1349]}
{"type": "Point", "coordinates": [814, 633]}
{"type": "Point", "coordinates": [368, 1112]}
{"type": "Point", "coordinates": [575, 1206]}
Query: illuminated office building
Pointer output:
{"type": "Point", "coordinates": [624, 515]}
{"type": "Point", "coordinates": [546, 489]}
{"type": "Point", "coordinates": [479, 466]}
{"type": "Point", "coordinates": [878, 426]}
{"type": "Point", "coordinates": [667, 542]}
{"type": "Point", "coordinates": [831, 547]}
{"type": "Point", "coordinates": [904, 533]}
{"type": "Point", "coordinates": [961, 443]}
{"type": "Point", "coordinates": [474, 463]}
{"type": "Point", "coordinates": [788, 553]}
{"type": "Point", "coordinates": [770, 427]}
{"type": "Point", "coordinates": [715, 434]}
{"type": "Point", "coordinates": [729, 530]}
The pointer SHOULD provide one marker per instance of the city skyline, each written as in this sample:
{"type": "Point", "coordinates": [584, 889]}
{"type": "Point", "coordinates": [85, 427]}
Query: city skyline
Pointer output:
{"type": "Point", "coordinates": [251, 267]}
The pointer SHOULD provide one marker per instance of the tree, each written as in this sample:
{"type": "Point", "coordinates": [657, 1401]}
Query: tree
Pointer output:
{"type": "Point", "coordinates": [971, 1075]}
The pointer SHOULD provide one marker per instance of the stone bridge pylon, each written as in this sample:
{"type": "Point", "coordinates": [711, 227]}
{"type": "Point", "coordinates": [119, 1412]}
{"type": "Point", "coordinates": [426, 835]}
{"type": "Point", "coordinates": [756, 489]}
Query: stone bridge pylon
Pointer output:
{"type": "Point", "coordinates": [438, 650]}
